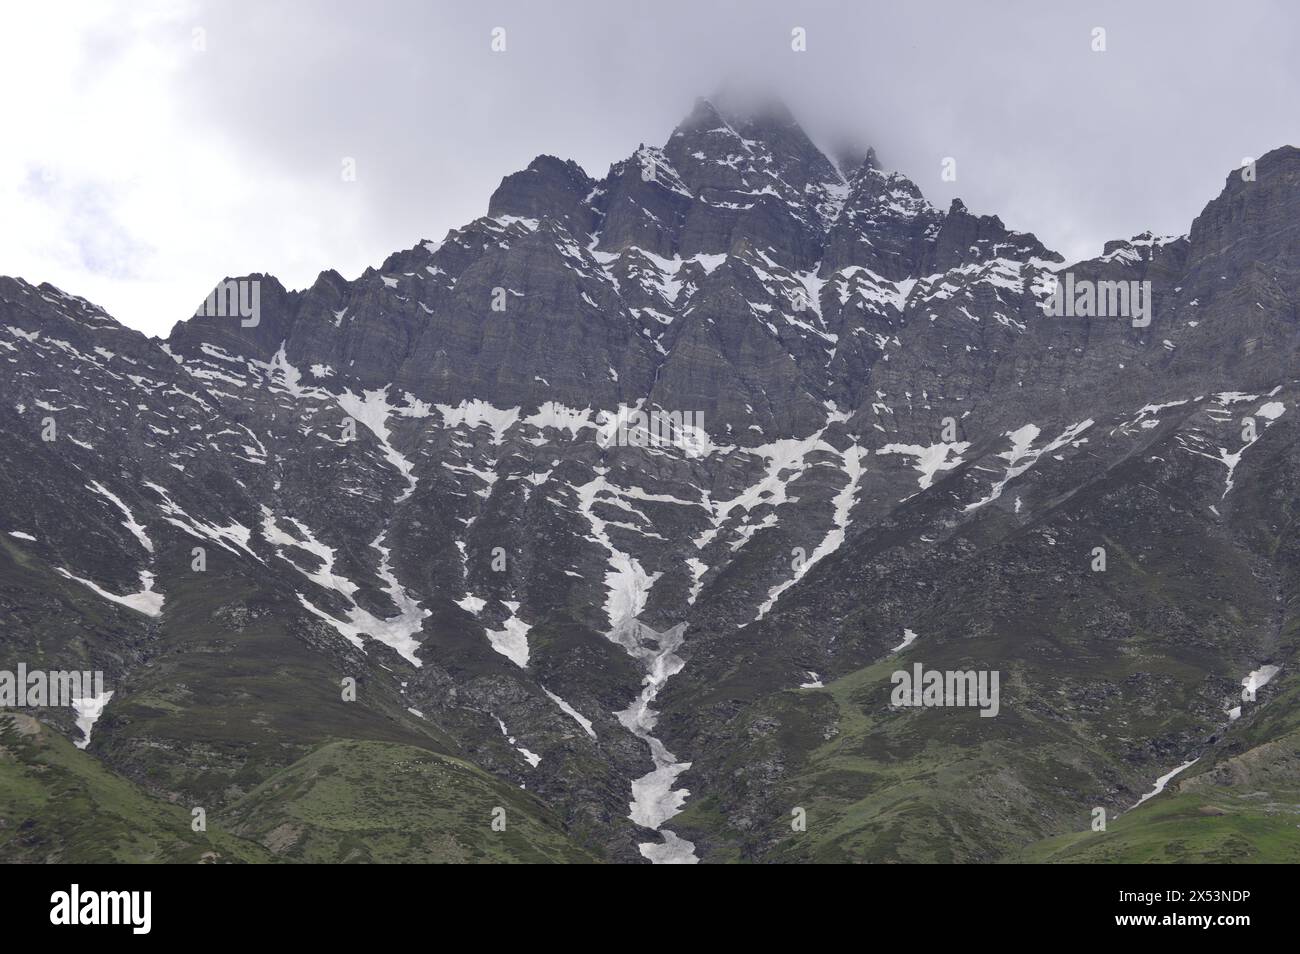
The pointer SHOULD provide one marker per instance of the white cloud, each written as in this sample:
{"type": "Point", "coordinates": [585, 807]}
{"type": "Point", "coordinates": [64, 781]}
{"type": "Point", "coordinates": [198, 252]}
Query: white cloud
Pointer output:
{"type": "Point", "coordinates": [138, 172]}
{"type": "Point", "coordinates": [116, 190]}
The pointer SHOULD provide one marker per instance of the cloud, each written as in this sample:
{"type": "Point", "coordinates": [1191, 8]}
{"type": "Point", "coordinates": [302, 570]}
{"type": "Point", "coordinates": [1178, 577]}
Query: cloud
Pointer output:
{"type": "Point", "coordinates": [173, 144]}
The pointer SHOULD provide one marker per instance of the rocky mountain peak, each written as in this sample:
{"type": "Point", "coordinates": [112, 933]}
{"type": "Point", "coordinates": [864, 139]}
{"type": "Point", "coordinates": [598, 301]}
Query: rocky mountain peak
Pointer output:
{"type": "Point", "coordinates": [852, 158]}
{"type": "Point", "coordinates": [549, 188]}
{"type": "Point", "coordinates": [1254, 219]}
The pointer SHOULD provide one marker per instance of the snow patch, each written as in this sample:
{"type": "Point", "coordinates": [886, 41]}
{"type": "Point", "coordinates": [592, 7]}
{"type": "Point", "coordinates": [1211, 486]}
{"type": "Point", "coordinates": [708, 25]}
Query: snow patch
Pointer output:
{"type": "Point", "coordinates": [372, 409]}
{"type": "Point", "coordinates": [909, 637]}
{"type": "Point", "coordinates": [136, 528]}
{"type": "Point", "coordinates": [929, 460]}
{"type": "Point", "coordinates": [577, 716]}
{"type": "Point", "coordinates": [88, 712]}
{"type": "Point", "coordinates": [1164, 780]}
{"type": "Point", "coordinates": [147, 601]}
{"type": "Point", "coordinates": [511, 640]}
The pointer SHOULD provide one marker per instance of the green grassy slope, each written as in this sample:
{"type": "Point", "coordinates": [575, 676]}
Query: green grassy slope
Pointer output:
{"type": "Point", "coordinates": [353, 801]}
{"type": "Point", "coordinates": [348, 801]}
{"type": "Point", "coordinates": [59, 804]}
{"type": "Point", "coordinates": [940, 787]}
{"type": "Point", "coordinates": [1204, 828]}
{"type": "Point", "coordinates": [1241, 804]}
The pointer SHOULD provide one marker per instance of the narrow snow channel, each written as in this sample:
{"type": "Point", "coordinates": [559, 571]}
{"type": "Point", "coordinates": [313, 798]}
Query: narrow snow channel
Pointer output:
{"type": "Point", "coordinates": [627, 584]}
{"type": "Point", "coordinates": [1164, 780]}
{"type": "Point", "coordinates": [654, 800]}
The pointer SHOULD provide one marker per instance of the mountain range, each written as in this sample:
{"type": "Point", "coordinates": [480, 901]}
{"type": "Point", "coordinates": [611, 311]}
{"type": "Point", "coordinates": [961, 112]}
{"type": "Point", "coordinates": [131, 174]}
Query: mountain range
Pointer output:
{"type": "Point", "coordinates": [392, 569]}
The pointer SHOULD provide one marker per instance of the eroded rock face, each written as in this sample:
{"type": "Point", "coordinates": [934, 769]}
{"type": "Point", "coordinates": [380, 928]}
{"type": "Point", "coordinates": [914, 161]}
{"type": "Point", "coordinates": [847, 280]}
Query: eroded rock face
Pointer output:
{"type": "Point", "coordinates": [430, 480]}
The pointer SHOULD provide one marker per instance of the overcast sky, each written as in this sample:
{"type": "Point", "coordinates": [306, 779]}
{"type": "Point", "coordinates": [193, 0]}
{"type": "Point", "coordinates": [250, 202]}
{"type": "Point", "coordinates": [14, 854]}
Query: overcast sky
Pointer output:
{"type": "Point", "coordinates": [149, 149]}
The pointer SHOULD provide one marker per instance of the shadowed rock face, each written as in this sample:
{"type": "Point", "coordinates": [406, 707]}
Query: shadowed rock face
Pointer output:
{"type": "Point", "coordinates": [430, 480]}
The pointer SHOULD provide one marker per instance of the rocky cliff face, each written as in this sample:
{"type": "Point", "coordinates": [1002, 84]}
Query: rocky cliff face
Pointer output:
{"type": "Point", "coordinates": [872, 446]}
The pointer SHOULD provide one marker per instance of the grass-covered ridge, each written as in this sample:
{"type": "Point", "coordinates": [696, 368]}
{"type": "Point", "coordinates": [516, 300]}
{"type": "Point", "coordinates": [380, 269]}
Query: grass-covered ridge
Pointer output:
{"type": "Point", "coordinates": [353, 801]}
{"type": "Point", "coordinates": [59, 804]}
{"type": "Point", "coordinates": [348, 801]}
